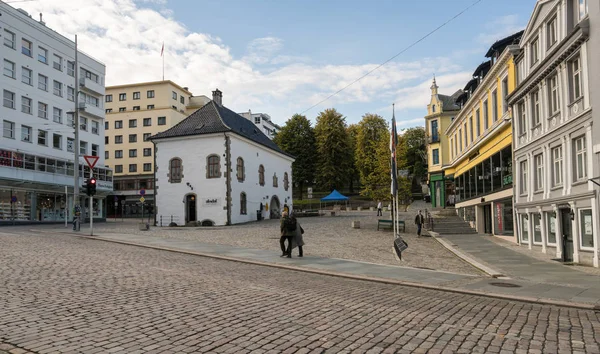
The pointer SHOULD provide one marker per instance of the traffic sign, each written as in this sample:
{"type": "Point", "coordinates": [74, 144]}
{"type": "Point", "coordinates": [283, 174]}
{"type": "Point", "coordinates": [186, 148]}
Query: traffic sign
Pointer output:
{"type": "Point", "coordinates": [310, 190]}
{"type": "Point", "coordinates": [13, 199]}
{"type": "Point", "coordinates": [142, 199]}
{"type": "Point", "coordinates": [310, 196]}
{"type": "Point", "coordinates": [91, 160]}
{"type": "Point", "coordinates": [142, 192]}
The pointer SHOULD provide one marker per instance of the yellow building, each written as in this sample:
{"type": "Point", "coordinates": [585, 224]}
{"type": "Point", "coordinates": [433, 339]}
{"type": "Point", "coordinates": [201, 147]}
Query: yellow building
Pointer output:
{"type": "Point", "coordinates": [135, 112]}
{"type": "Point", "coordinates": [440, 112]}
{"type": "Point", "coordinates": [481, 144]}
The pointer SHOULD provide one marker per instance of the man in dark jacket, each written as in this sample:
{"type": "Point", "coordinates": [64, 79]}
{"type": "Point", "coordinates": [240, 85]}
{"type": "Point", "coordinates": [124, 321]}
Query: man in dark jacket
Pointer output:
{"type": "Point", "coordinates": [419, 220]}
{"type": "Point", "coordinates": [287, 226]}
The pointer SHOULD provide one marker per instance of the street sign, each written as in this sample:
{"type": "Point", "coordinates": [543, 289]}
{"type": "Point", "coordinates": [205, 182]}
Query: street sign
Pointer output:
{"type": "Point", "coordinates": [142, 199]}
{"type": "Point", "coordinates": [309, 190]}
{"type": "Point", "coordinates": [310, 196]}
{"type": "Point", "coordinates": [13, 199]}
{"type": "Point", "coordinates": [142, 192]}
{"type": "Point", "coordinates": [116, 203]}
{"type": "Point", "coordinates": [91, 160]}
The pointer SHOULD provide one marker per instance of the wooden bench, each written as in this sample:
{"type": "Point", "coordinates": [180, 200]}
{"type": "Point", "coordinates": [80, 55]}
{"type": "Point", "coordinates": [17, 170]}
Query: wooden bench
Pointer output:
{"type": "Point", "coordinates": [383, 223]}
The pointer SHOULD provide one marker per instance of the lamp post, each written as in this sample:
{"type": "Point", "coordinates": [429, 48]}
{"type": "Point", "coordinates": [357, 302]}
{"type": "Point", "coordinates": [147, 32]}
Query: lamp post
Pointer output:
{"type": "Point", "coordinates": [76, 123]}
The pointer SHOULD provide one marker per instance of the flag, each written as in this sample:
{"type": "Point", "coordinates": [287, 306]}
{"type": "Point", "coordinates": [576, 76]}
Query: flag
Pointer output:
{"type": "Point", "coordinates": [163, 49]}
{"type": "Point", "coordinates": [393, 144]}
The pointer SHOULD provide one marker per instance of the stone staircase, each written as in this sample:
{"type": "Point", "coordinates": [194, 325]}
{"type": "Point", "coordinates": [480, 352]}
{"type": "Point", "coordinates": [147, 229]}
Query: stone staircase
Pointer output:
{"type": "Point", "coordinates": [447, 223]}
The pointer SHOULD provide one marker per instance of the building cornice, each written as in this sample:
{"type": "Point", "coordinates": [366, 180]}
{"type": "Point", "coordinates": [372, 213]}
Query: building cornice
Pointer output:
{"type": "Point", "coordinates": [149, 83]}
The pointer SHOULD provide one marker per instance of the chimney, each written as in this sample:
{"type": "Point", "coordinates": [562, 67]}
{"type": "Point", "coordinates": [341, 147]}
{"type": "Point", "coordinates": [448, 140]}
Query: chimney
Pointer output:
{"type": "Point", "coordinates": [218, 97]}
{"type": "Point", "coordinates": [186, 88]}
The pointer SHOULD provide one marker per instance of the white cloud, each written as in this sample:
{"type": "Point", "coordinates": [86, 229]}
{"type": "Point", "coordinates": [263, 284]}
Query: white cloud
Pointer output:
{"type": "Point", "coordinates": [127, 36]}
{"type": "Point", "coordinates": [500, 28]}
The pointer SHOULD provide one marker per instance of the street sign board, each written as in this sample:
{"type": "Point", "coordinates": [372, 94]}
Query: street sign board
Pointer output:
{"type": "Point", "coordinates": [142, 192]}
{"type": "Point", "coordinates": [309, 190]}
{"type": "Point", "coordinates": [13, 199]}
{"type": "Point", "coordinates": [310, 196]}
{"type": "Point", "coordinates": [91, 160]}
{"type": "Point", "coordinates": [142, 199]}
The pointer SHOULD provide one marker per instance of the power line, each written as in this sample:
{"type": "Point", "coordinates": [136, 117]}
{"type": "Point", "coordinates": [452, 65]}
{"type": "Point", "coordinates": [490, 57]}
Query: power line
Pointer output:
{"type": "Point", "coordinates": [395, 56]}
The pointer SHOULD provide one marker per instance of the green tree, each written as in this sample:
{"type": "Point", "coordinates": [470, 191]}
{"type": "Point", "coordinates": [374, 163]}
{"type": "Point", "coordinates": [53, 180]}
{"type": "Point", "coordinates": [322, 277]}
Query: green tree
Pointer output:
{"type": "Point", "coordinates": [378, 183]}
{"type": "Point", "coordinates": [371, 143]}
{"type": "Point", "coordinates": [353, 174]}
{"type": "Point", "coordinates": [333, 150]}
{"type": "Point", "coordinates": [413, 148]}
{"type": "Point", "coordinates": [297, 137]}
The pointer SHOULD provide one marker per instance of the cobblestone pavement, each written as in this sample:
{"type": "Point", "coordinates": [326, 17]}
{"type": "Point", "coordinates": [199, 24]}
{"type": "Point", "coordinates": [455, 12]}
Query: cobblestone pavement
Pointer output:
{"type": "Point", "coordinates": [330, 237]}
{"type": "Point", "coordinates": [60, 294]}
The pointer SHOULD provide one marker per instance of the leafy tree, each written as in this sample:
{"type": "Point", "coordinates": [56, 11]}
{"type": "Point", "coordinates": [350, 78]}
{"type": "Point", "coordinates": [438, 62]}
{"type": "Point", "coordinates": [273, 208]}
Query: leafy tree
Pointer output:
{"type": "Point", "coordinates": [414, 151]}
{"type": "Point", "coordinates": [297, 137]}
{"type": "Point", "coordinates": [333, 150]}
{"type": "Point", "coordinates": [378, 183]}
{"type": "Point", "coordinates": [371, 145]}
{"type": "Point", "coordinates": [353, 174]}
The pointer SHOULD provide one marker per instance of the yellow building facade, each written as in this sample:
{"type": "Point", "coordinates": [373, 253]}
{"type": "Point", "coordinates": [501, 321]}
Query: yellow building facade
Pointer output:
{"type": "Point", "coordinates": [480, 140]}
{"type": "Point", "coordinates": [440, 113]}
{"type": "Point", "coordinates": [134, 112]}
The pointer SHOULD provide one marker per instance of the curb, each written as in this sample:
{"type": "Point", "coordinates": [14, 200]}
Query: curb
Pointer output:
{"type": "Point", "coordinates": [467, 258]}
{"type": "Point", "coordinates": [532, 300]}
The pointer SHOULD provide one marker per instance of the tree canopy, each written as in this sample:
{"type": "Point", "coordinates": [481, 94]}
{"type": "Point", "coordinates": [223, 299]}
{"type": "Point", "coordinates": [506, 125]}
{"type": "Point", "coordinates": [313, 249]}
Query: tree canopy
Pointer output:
{"type": "Point", "coordinates": [333, 150]}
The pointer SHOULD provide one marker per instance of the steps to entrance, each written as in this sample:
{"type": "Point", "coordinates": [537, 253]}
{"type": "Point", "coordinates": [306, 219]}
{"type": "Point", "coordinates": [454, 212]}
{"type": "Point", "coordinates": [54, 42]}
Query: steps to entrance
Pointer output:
{"type": "Point", "coordinates": [452, 225]}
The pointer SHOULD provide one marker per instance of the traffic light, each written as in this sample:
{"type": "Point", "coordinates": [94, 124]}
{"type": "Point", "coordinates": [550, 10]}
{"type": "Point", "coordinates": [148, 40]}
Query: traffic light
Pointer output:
{"type": "Point", "coordinates": [91, 187]}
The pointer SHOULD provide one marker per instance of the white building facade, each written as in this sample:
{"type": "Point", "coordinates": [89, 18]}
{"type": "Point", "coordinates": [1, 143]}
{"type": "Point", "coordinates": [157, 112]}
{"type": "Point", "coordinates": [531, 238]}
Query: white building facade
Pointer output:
{"type": "Point", "coordinates": [263, 122]}
{"type": "Point", "coordinates": [39, 100]}
{"type": "Point", "coordinates": [193, 160]}
{"type": "Point", "coordinates": [555, 203]}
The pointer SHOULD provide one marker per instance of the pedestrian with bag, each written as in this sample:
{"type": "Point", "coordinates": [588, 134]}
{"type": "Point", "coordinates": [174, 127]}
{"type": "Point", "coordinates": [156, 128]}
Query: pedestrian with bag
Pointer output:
{"type": "Point", "coordinates": [419, 220]}
{"type": "Point", "coordinates": [287, 226]}
{"type": "Point", "coordinates": [298, 240]}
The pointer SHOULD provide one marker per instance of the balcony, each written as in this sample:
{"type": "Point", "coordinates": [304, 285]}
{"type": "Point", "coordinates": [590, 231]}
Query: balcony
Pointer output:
{"type": "Point", "coordinates": [91, 110]}
{"type": "Point", "coordinates": [86, 84]}
{"type": "Point", "coordinates": [432, 139]}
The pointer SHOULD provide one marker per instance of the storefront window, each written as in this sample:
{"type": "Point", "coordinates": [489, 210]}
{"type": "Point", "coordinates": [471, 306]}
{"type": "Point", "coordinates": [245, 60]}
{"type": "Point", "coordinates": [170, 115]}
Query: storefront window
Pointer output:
{"type": "Point", "coordinates": [507, 167]}
{"type": "Point", "coordinates": [50, 207]}
{"type": "Point", "coordinates": [487, 175]}
{"type": "Point", "coordinates": [586, 229]}
{"type": "Point", "coordinates": [471, 184]}
{"type": "Point", "coordinates": [470, 213]}
{"type": "Point", "coordinates": [524, 228]}
{"type": "Point", "coordinates": [479, 179]}
{"type": "Point", "coordinates": [496, 172]}
{"type": "Point", "coordinates": [537, 228]}
{"type": "Point", "coordinates": [551, 228]}
{"type": "Point", "coordinates": [15, 205]}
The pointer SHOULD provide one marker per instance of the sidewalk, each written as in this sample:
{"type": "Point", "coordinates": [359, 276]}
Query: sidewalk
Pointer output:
{"type": "Point", "coordinates": [585, 296]}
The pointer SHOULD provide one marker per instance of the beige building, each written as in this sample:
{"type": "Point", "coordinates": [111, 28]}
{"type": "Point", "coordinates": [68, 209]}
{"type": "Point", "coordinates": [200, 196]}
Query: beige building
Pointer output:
{"type": "Point", "coordinates": [135, 112]}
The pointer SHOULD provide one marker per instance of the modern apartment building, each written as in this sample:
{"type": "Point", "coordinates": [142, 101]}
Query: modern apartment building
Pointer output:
{"type": "Point", "coordinates": [262, 121]}
{"type": "Point", "coordinates": [481, 143]}
{"type": "Point", "coordinates": [135, 112]}
{"type": "Point", "coordinates": [40, 96]}
{"type": "Point", "coordinates": [441, 111]}
{"type": "Point", "coordinates": [555, 138]}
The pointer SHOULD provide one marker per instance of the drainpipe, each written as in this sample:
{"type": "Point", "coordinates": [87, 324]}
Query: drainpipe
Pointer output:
{"type": "Point", "coordinates": [154, 184]}
{"type": "Point", "coordinates": [228, 176]}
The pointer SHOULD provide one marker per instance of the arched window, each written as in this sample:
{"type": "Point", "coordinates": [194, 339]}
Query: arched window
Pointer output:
{"type": "Point", "coordinates": [175, 170]}
{"type": "Point", "coordinates": [261, 175]}
{"type": "Point", "coordinates": [286, 181]}
{"type": "Point", "coordinates": [433, 109]}
{"type": "Point", "coordinates": [240, 169]}
{"type": "Point", "coordinates": [275, 184]}
{"type": "Point", "coordinates": [213, 166]}
{"type": "Point", "coordinates": [243, 204]}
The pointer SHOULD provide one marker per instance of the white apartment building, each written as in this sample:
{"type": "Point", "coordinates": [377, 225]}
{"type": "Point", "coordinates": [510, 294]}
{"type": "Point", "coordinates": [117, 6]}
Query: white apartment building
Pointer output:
{"type": "Point", "coordinates": [37, 113]}
{"type": "Point", "coordinates": [263, 122]}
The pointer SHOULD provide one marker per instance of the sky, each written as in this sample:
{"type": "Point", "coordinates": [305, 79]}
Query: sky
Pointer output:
{"type": "Point", "coordinates": [282, 57]}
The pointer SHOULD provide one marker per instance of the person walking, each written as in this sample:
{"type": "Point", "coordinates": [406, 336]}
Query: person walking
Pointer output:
{"type": "Point", "coordinates": [419, 220]}
{"type": "Point", "coordinates": [287, 226]}
{"type": "Point", "coordinates": [298, 240]}
{"type": "Point", "coordinates": [379, 207]}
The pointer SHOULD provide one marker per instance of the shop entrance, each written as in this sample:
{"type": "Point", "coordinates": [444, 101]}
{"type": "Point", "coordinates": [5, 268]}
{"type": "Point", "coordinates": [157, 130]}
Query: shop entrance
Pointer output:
{"type": "Point", "coordinates": [487, 219]}
{"type": "Point", "coordinates": [567, 235]}
{"type": "Point", "coordinates": [190, 208]}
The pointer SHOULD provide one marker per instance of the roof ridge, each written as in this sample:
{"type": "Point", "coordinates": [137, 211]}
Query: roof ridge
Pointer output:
{"type": "Point", "coordinates": [219, 115]}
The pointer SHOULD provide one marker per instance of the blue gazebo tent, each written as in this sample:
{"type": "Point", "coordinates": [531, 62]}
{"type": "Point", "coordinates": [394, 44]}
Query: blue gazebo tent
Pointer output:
{"type": "Point", "coordinates": [335, 196]}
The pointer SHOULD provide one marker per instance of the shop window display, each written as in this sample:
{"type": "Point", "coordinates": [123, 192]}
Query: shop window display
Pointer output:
{"type": "Point", "coordinates": [15, 205]}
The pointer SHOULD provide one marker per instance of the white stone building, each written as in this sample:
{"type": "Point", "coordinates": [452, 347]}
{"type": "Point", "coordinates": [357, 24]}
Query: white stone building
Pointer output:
{"type": "Point", "coordinates": [263, 122]}
{"type": "Point", "coordinates": [193, 160]}
{"type": "Point", "coordinates": [556, 204]}
{"type": "Point", "coordinates": [37, 143]}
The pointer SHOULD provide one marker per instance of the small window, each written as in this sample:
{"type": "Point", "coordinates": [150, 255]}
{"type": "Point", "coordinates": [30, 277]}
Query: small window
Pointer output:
{"type": "Point", "coordinates": [535, 51]}
{"type": "Point", "coordinates": [150, 94]}
{"type": "Point", "coordinates": [118, 124]}
{"type": "Point", "coordinates": [26, 47]}
{"type": "Point", "coordinates": [580, 158]}
{"type": "Point", "coordinates": [133, 138]}
{"type": "Point", "coordinates": [10, 69]}
{"type": "Point", "coordinates": [70, 93]}
{"type": "Point", "coordinates": [95, 127]}
{"type": "Point", "coordinates": [586, 228]}
{"type": "Point", "coordinates": [136, 108]}
{"type": "Point", "coordinates": [42, 82]}
{"type": "Point", "coordinates": [576, 91]}
{"type": "Point", "coordinates": [71, 68]}
{"type": "Point", "coordinates": [108, 98]}
{"type": "Point", "coordinates": [8, 129]}
{"type": "Point", "coordinates": [133, 123]}
{"type": "Point", "coordinates": [539, 172]}
{"type": "Point", "coordinates": [43, 55]}
{"type": "Point", "coordinates": [83, 123]}
{"type": "Point", "coordinates": [10, 39]}
{"type": "Point", "coordinates": [146, 136]}
{"type": "Point", "coordinates": [106, 155]}
{"type": "Point", "coordinates": [182, 99]}
{"type": "Point", "coordinates": [175, 95]}
{"type": "Point", "coordinates": [132, 167]}
{"type": "Point", "coordinates": [522, 118]}
{"type": "Point", "coordinates": [286, 181]}
{"type": "Point", "coordinates": [108, 110]}
{"type": "Point", "coordinates": [42, 136]}
{"type": "Point", "coordinates": [275, 180]}
{"type": "Point", "coordinates": [26, 76]}
{"type": "Point", "coordinates": [57, 115]}
{"type": "Point", "coordinates": [136, 95]}
{"type": "Point", "coordinates": [535, 101]}
{"type": "Point", "coordinates": [42, 110]}
{"type": "Point", "coordinates": [132, 152]}
{"type": "Point", "coordinates": [83, 147]}
{"type": "Point", "coordinates": [150, 106]}
{"type": "Point", "coordinates": [105, 125]}
{"type": "Point", "coordinates": [495, 106]}
{"type": "Point", "coordinates": [240, 169]}
{"type": "Point", "coordinates": [122, 97]}
{"type": "Point", "coordinates": [70, 144]}
{"type": "Point", "coordinates": [557, 166]}
{"type": "Point", "coordinates": [57, 141]}
{"type": "Point", "coordinates": [118, 139]}
{"type": "Point", "coordinates": [486, 123]}
{"type": "Point", "coordinates": [213, 166]}
{"type": "Point", "coordinates": [554, 94]}
{"type": "Point", "coordinates": [243, 206]}
{"type": "Point", "coordinates": [122, 109]}
{"type": "Point", "coordinates": [118, 154]}
{"type": "Point", "coordinates": [58, 88]}
{"type": "Point", "coordinates": [118, 168]}
{"type": "Point", "coordinates": [261, 175]}
{"type": "Point", "coordinates": [147, 167]}
{"type": "Point", "coordinates": [162, 120]}
{"type": "Point", "coordinates": [552, 31]}
{"type": "Point", "coordinates": [106, 140]}
{"type": "Point", "coordinates": [26, 133]}
{"type": "Point", "coordinates": [435, 156]}
{"type": "Point", "coordinates": [8, 99]}
{"type": "Point", "coordinates": [26, 104]}
{"type": "Point", "coordinates": [175, 170]}
{"type": "Point", "coordinates": [524, 175]}
{"type": "Point", "coordinates": [147, 122]}
{"type": "Point", "coordinates": [57, 64]}
{"type": "Point", "coordinates": [147, 152]}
